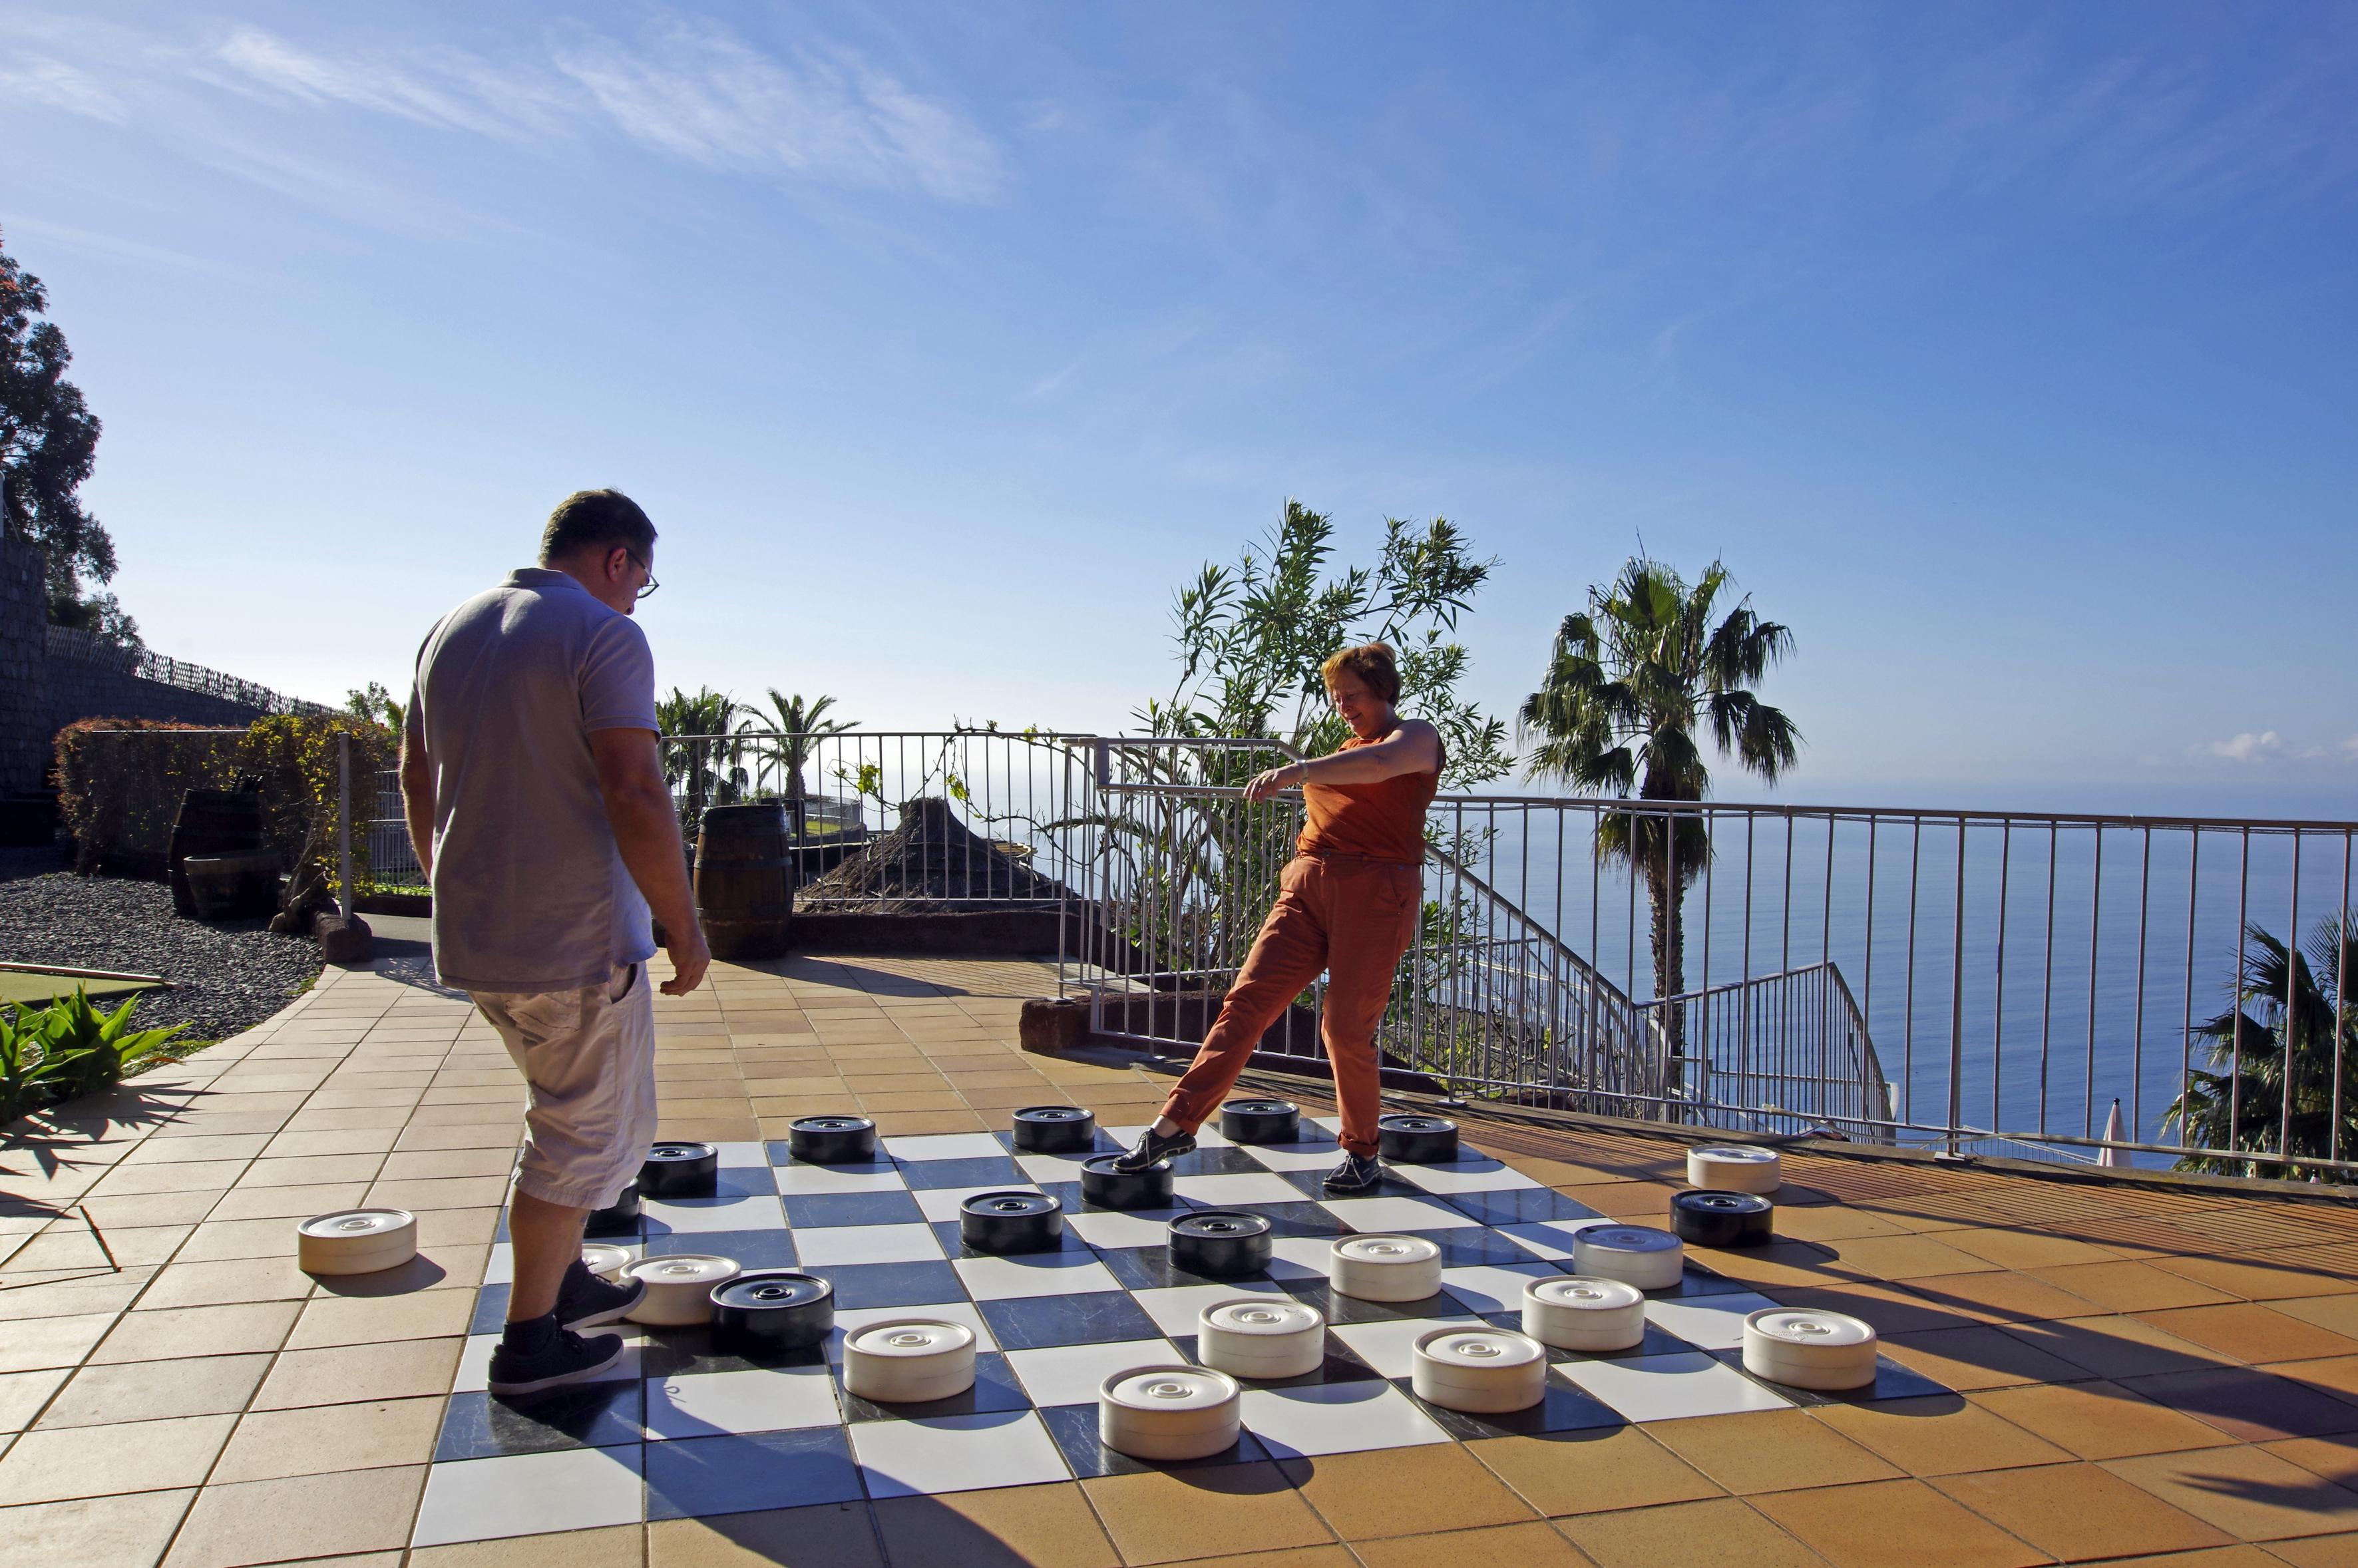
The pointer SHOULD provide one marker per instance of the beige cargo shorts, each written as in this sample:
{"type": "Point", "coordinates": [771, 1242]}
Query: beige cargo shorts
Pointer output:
{"type": "Point", "coordinates": [588, 1063]}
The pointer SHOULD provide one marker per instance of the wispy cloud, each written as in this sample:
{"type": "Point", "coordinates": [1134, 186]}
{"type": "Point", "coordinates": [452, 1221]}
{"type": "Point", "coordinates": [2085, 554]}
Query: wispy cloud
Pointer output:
{"type": "Point", "coordinates": [54, 84]}
{"type": "Point", "coordinates": [684, 90]}
{"type": "Point", "coordinates": [700, 93]}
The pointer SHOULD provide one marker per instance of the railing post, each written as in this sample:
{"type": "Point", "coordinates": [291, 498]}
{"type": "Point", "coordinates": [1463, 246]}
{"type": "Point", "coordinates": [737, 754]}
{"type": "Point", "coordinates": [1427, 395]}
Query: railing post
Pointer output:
{"type": "Point", "coordinates": [344, 823]}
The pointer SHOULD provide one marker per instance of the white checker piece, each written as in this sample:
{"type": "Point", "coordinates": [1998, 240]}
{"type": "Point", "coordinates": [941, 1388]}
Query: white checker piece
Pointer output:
{"type": "Point", "coordinates": [851, 1319]}
{"type": "Point", "coordinates": [1176, 1309]}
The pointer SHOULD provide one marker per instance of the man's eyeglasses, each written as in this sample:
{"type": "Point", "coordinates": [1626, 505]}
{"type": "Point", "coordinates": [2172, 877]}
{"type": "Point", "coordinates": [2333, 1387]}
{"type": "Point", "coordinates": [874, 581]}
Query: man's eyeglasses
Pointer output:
{"type": "Point", "coordinates": [649, 586]}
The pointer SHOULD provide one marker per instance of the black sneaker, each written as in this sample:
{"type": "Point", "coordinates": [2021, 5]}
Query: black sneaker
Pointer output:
{"type": "Point", "coordinates": [1153, 1149]}
{"type": "Point", "coordinates": [585, 1301]}
{"type": "Point", "coordinates": [568, 1358]}
{"type": "Point", "coordinates": [1356, 1173]}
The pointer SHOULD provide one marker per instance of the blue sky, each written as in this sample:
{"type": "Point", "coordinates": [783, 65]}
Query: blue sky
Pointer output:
{"type": "Point", "coordinates": [2005, 352]}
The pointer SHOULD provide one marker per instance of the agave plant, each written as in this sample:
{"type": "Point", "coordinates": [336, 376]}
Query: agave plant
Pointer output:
{"type": "Point", "coordinates": [30, 1060]}
{"type": "Point", "coordinates": [2277, 1054]}
{"type": "Point", "coordinates": [100, 1045]}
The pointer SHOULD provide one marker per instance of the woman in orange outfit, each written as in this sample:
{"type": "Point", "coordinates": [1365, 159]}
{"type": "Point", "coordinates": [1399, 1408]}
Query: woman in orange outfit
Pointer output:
{"type": "Point", "coordinates": [1348, 904]}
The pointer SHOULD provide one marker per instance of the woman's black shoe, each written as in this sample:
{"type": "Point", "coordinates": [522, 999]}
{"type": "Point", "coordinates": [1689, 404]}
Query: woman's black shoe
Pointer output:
{"type": "Point", "coordinates": [1153, 1149]}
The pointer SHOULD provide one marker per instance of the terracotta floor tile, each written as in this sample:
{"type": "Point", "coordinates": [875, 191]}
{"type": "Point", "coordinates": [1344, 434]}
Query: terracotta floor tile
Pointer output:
{"type": "Point", "coordinates": [309, 1516]}
{"type": "Point", "coordinates": [2318, 1551]}
{"type": "Point", "coordinates": [1769, 1451]}
{"type": "Point", "coordinates": [1400, 1491]}
{"type": "Point", "coordinates": [1892, 1309]}
{"type": "Point", "coordinates": [2025, 1249]}
{"type": "Point", "coordinates": [98, 1532]}
{"type": "Point", "coordinates": [1831, 1223]}
{"type": "Point", "coordinates": [2129, 1286]}
{"type": "Point", "coordinates": [1882, 1522]}
{"type": "Point", "coordinates": [1606, 1467]}
{"type": "Point", "coordinates": [1940, 1435]}
{"type": "Point", "coordinates": [219, 1285]}
{"type": "Point", "coordinates": [2249, 1493]}
{"type": "Point", "coordinates": [2257, 1281]}
{"type": "Point", "coordinates": [1166, 1516]}
{"type": "Point", "coordinates": [163, 1335]}
{"type": "Point", "coordinates": [1982, 1358]}
{"type": "Point", "coordinates": [1905, 1258]}
{"type": "Point", "coordinates": [1010, 1527]}
{"type": "Point", "coordinates": [54, 1466]}
{"type": "Point", "coordinates": [2336, 1374]}
{"type": "Point", "coordinates": [2251, 1333]}
{"type": "Point", "coordinates": [2002, 1296]}
{"type": "Point", "coordinates": [2335, 1458]}
{"type": "Point", "coordinates": [269, 1444]}
{"type": "Point", "coordinates": [2116, 1346]}
{"type": "Point", "coordinates": [349, 1374]}
{"type": "Point", "coordinates": [155, 1391]}
{"type": "Point", "coordinates": [1500, 1546]}
{"type": "Point", "coordinates": [2077, 1512]}
{"type": "Point", "coordinates": [1720, 1532]}
{"type": "Point", "coordinates": [616, 1546]}
{"type": "Point", "coordinates": [1285, 1557]}
{"type": "Point", "coordinates": [2251, 1404]}
{"type": "Point", "coordinates": [2099, 1420]}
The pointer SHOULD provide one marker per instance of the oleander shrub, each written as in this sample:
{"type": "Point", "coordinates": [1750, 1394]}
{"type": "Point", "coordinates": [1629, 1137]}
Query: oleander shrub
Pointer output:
{"type": "Point", "coordinates": [121, 781]}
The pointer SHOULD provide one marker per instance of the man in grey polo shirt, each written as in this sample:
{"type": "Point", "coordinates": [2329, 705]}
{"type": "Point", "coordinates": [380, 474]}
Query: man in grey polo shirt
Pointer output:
{"type": "Point", "coordinates": [534, 791]}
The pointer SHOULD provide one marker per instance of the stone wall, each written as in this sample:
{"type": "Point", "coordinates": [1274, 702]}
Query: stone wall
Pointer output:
{"type": "Point", "coordinates": [25, 726]}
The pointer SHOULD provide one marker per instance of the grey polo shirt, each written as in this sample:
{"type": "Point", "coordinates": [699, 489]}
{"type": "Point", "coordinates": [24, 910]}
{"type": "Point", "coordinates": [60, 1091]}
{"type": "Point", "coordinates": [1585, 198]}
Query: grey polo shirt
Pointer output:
{"type": "Point", "coordinates": [530, 891]}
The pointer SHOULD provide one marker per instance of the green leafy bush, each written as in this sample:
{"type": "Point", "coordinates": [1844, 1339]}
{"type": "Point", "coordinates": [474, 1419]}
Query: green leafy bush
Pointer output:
{"type": "Point", "coordinates": [31, 1065]}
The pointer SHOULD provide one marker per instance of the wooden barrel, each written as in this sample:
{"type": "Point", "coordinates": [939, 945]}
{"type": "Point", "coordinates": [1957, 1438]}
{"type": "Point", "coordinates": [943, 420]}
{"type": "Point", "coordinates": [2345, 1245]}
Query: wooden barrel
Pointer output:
{"type": "Point", "coordinates": [211, 822]}
{"type": "Point", "coordinates": [233, 887]}
{"type": "Point", "coordinates": [745, 879]}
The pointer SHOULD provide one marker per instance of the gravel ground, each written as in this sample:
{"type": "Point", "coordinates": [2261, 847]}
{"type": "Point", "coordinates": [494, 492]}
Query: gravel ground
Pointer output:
{"type": "Point", "coordinates": [228, 977]}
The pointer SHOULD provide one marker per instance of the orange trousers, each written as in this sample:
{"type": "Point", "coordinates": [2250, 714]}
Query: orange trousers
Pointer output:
{"type": "Point", "coordinates": [1349, 917]}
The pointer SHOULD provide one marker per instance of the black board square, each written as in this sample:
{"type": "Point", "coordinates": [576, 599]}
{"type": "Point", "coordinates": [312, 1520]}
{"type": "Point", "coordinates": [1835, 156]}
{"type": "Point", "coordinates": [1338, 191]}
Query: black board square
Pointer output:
{"type": "Point", "coordinates": [490, 1310]}
{"type": "Point", "coordinates": [583, 1415]}
{"type": "Point", "coordinates": [995, 1389]}
{"type": "Point", "coordinates": [1696, 1282]}
{"type": "Point", "coordinates": [1312, 1184]}
{"type": "Point", "coordinates": [1517, 1206]}
{"type": "Point", "coordinates": [1075, 1428]}
{"type": "Point", "coordinates": [891, 1285]}
{"type": "Point", "coordinates": [749, 1249]}
{"type": "Point", "coordinates": [1467, 1248]}
{"type": "Point", "coordinates": [1096, 1318]}
{"type": "Point", "coordinates": [1105, 1144]}
{"type": "Point", "coordinates": [1562, 1409]}
{"type": "Point", "coordinates": [820, 1210]}
{"type": "Point", "coordinates": [927, 1175]}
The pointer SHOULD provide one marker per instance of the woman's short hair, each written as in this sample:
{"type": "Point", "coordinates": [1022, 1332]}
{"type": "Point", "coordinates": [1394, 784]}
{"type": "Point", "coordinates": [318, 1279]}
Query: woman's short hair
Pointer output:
{"type": "Point", "coordinates": [1372, 663]}
{"type": "Point", "coordinates": [596, 519]}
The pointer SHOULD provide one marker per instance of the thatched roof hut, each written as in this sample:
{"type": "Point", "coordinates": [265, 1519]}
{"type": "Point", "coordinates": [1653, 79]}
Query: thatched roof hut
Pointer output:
{"type": "Point", "coordinates": [932, 862]}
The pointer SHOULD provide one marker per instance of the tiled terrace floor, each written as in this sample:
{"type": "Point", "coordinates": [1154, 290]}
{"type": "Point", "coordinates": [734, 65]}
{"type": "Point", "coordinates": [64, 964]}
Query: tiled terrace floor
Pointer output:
{"type": "Point", "coordinates": [2159, 1375]}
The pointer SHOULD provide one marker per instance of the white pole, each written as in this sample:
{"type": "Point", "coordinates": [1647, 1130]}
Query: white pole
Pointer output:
{"type": "Point", "coordinates": [344, 823]}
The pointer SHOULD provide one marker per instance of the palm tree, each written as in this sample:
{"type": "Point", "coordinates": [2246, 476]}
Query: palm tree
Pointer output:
{"type": "Point", "coordinates": [697, 768]}
{"type": "Point", "coordinates": [798, 723]}
{"type": "Point", "coordinates": [1628, 683]}
{"type": "Point", "coordinates": [2284, 1009]}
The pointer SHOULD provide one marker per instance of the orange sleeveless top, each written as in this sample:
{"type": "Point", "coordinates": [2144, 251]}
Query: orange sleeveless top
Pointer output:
{"type": "Point", "coordinates": [1379, 821]}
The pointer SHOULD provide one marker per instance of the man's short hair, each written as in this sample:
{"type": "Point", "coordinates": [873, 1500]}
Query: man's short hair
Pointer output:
{"type": "Point", "coordinates": [598, 520]}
